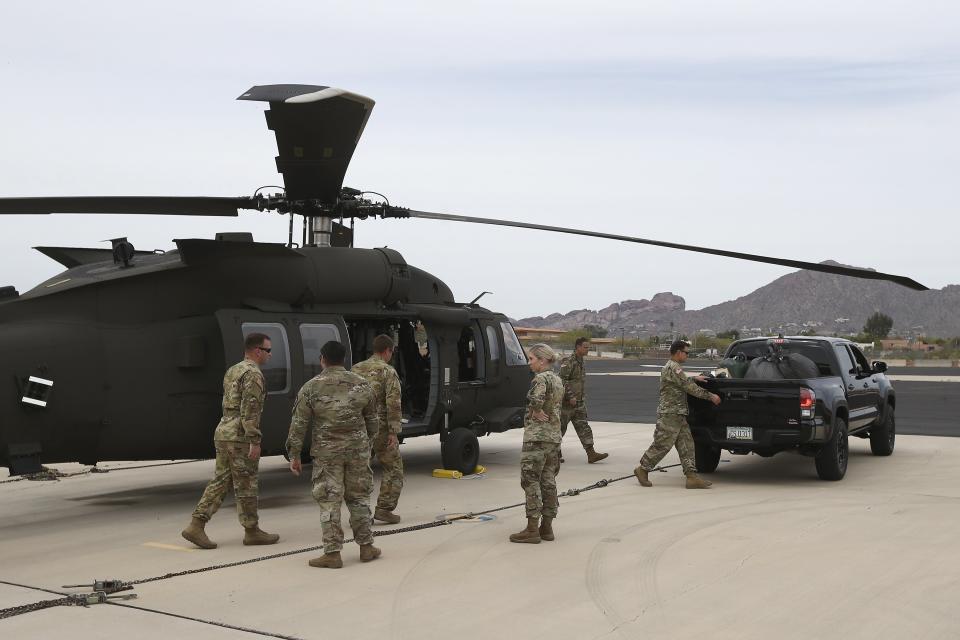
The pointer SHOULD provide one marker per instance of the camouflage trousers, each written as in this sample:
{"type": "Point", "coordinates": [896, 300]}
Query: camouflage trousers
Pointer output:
{"type": "Point", "coordinates": [391, 479]}
{"type": "Point", "coordinates": [539, 464]}
{"type": "Point", "coordinates": [578, 415]}
{"type": "Point", "coordinates": [234, 467]}
{"type": "Point", "coordinates": [672, 431]}
{"type": "Point", "coordinates": [338, 478]}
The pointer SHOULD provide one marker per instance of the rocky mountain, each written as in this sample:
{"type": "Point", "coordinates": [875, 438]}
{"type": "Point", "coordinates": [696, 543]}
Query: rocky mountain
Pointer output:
{"type": "Point", "coordinates": [821, 302]}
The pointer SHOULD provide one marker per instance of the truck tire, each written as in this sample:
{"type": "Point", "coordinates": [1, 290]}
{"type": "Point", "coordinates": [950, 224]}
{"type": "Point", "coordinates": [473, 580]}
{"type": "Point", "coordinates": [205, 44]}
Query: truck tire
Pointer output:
{"type": "Point", "coordinates": [883, 435]}
{"type": "Point", "coordinates": [706, 457]}
{"type": "Point", "coordinates": [460, 451]}
{"type": "Point", "coordinates": [832, 459]}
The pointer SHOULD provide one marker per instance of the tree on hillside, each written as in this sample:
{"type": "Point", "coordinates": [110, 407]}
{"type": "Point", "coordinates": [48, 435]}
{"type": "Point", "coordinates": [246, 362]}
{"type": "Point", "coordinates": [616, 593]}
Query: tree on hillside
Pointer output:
{"type": "Point", "coordinates": [730, 334]}
{"type": "Point", "coordinates": [594, 331]}
{"type": "Point", "coordinates": [878, 326]}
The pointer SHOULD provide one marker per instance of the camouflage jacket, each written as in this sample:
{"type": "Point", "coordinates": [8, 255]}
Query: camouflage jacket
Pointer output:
{"type": "Point", "coordinates": [674, 387]}
{"type": "Point", "coordinates": [340, 408]}
{"type": "Point", "coordinates": [574, 379]}
{"type": "Point", "coordinates": [244, 392]}
{"type": "Point", "coordinates": [546, 393]}
{"type": "Point", "coordinates": [386, 387]}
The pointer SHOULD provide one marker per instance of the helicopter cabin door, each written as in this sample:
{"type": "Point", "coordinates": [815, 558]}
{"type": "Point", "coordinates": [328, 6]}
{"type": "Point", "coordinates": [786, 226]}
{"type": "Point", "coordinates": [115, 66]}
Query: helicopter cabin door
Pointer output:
{"type": "Point", "coordinates": [295, 358]}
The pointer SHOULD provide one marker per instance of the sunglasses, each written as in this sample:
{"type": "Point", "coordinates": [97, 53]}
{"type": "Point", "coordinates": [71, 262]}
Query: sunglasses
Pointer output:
{"type": "Point", "coordinates": [267, 349]}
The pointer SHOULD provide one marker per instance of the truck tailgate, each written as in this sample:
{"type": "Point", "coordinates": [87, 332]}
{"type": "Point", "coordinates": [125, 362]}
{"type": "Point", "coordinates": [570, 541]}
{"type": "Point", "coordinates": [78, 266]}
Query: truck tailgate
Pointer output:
{"type": "Point", "coordinates": [759, 404]}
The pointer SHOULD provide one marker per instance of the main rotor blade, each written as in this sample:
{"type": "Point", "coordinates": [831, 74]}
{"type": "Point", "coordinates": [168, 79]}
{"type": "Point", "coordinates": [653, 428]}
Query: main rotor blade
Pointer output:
{"type": "Point", "coordinates": [797, 264]}
{"type": "Point", "coordinates": [149, 205]}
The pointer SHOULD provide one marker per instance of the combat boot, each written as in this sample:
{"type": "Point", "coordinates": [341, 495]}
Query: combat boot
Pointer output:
{"type": "Point", "coordinates": [327, 561]}
{"type": "Point", "coordinates": [696, 482]}
{"type": "Point", "coordinates": [195, 534]}
{"type": "Point", "coordinates": [254, 535]}
{"type": "Point", "coordinates": [593, 456]}
{"type": "Point", "coordinates": [530, 535]}
{"type": "Point", "coordinates": [546, 529]}
{"type": "Point", "coordinates": [369, 552]}
{"type": "Point", "coordinates": [642, 477]}
{"type": "Point", "coordinates": [385, 516]}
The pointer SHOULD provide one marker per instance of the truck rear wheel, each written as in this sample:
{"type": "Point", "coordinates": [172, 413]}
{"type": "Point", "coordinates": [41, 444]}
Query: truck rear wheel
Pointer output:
{"type": "Point", "coordinates": [706, 457]}
{"type": "Point", "coordinates": [460, 451]}
{"type": "Point", "coordinates": [832, 459]}
{"type": "Point", "coordinates": [883, 436]}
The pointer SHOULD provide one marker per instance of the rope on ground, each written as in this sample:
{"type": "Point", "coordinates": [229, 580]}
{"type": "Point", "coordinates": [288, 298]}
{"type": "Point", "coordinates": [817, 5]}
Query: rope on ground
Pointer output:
{"type": "Point", "coordinates": [80, 599]}
{"type": "Point", "coordinates": [55, 475]}
{"type": "Point", "coordinates": [387, 532]}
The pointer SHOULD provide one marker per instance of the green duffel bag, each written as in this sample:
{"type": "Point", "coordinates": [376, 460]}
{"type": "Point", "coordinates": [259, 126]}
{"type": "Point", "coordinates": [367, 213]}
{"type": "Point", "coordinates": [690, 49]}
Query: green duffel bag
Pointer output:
{"type": "Point", "coordinates": [736, 365]}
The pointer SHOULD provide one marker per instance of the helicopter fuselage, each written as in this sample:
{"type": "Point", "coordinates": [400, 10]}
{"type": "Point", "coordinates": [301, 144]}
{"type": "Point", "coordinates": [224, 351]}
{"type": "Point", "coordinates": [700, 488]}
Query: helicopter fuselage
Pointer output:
{"type": "Point", "coordinates": [114, 362]}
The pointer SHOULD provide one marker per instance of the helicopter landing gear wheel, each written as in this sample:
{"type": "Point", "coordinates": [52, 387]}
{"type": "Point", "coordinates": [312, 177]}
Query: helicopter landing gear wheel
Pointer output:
{"type": "Point", "coordinates": [460, 451]}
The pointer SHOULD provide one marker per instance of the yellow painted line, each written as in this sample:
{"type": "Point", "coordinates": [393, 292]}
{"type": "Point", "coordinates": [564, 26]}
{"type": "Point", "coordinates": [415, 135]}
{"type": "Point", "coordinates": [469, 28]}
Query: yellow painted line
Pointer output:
{"type": "Point", "coordinates": [168, 547]}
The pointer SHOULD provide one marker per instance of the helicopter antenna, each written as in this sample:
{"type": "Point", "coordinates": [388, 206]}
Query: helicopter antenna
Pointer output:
{"type": "Point", "coordinates": [474, 301]}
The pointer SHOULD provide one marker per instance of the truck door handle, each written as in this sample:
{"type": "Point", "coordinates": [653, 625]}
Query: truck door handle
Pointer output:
{"type": "Point", "coordinates": [850, 386]}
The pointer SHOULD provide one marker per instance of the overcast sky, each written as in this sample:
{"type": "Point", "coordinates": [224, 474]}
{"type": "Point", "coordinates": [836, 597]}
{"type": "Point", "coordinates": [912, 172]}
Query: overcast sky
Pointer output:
{"type": "Point", "coordinates": [814, 130]}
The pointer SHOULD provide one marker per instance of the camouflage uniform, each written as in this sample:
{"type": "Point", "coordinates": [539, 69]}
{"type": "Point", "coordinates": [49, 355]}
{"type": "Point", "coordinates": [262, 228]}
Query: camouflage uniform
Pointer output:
{"type": "Point", "coordinates": [672, 428]}
{"type": "Point", "coordinates": [340, 407]}
{"type": "Point", "coordinates": [386, 387]}
{"type": "Point", "coordinates": [244, 392]}
{"type": "Point", "coordinates": [540, 457]}
{"type": "Point", "coordinates": [575, 399]}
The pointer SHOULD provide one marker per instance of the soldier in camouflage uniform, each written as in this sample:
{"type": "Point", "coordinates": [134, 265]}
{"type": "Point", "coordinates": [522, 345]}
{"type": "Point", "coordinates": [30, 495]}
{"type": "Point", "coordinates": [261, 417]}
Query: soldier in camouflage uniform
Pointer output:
{"type": "Point", "coordinates": [540, 458]}
{"type": "Point", "coordinates": [237, 442]}
{"type": "Point", "coordinates": [672, 428]}
{"type": "Point", "coordinates": [574, 408]}
{"type": "Point", "coordinates": [341, 409]}
{"type": "Point", "coordinates": [386, 446]}
{"type": "Point", "coordinates": [420, 335]}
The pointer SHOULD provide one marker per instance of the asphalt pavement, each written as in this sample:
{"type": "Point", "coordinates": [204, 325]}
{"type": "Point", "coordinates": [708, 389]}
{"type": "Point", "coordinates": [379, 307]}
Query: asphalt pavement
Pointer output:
{"type": "Point", "coordinates": [930, 407]}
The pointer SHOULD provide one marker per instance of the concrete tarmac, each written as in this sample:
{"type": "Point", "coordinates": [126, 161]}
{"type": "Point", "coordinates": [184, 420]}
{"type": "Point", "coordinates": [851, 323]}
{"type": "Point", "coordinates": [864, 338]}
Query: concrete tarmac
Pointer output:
{"type": "Point", "coordinates": [769, 552]}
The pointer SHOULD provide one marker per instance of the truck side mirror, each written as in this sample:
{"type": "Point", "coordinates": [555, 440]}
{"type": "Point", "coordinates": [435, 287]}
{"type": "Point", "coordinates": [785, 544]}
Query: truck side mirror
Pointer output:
{"type": "Point", "coordinates": [879, 367]}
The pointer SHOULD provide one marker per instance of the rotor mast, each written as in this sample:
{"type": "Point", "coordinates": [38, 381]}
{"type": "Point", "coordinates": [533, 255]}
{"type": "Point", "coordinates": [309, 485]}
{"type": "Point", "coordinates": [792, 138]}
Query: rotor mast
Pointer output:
{"type": "Point", "coordinates": [317, 129]}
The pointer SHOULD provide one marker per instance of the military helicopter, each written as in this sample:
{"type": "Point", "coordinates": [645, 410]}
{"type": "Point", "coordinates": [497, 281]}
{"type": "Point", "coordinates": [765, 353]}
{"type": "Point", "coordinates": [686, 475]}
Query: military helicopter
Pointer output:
{"type": "Point", "coordinates": [121, 356]}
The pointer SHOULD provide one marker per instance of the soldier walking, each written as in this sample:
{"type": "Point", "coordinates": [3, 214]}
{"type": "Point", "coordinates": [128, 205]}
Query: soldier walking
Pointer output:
{"type": "Point", "coordinates": [341, 409]}
{"type": "Point", "coordinates": [540, 457]}
{"type": "Point", "coordinates": [237, 442]}
{"type": "Point", "coordinates": [386, 446]}
{"type": "Point", "coordinates": [672, 428]}
{"type": "Point", "coordinates": [574, 379]}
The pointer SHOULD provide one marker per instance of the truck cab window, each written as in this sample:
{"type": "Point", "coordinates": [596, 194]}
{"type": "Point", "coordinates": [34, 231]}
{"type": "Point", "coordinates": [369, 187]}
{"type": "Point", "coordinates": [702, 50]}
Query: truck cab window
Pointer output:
{"type": "Point", "coordinates": [276, 371]}
{"type": "Point", "coordinates": [863, 366]}
{"type": "Point", "coordinates": [847, 365]}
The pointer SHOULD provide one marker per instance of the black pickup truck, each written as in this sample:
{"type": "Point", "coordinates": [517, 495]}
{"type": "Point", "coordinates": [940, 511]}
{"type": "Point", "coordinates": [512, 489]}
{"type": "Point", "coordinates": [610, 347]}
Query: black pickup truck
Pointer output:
{"type": "Point", "coordinates": [811, 415]}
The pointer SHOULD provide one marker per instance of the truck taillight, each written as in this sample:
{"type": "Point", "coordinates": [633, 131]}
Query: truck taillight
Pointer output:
{"type": "Point", "coordinates": [808, 400]}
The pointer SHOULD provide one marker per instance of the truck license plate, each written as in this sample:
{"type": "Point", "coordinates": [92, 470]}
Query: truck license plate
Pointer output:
{"type": "Point", "coordinates": [739, 433]}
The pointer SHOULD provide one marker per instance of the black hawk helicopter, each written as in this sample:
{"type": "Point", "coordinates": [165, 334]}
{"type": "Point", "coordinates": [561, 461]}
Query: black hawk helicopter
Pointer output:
{"type": "Point", "coordinates": [121, 356]}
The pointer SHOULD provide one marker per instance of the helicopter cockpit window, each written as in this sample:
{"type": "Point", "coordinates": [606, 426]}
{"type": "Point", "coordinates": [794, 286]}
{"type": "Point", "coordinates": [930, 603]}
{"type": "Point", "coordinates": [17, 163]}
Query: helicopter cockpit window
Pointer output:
{"type": "Point", "coordinates": [314, 336]}
{"type": "Point", "coordinates": [470, 354]}
{"type": "Point", "coordinates": [276, 371]}
{"type": "Point", "coordinates": [514, 352]}
{"type": "Point", "coordinates": [494, 344]}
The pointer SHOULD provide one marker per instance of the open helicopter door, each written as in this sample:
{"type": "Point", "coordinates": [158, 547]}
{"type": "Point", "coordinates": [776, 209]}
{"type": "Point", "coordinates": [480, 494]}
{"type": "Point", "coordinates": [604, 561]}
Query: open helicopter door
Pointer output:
{"type": "Point", "coordinates": [295, 358]}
